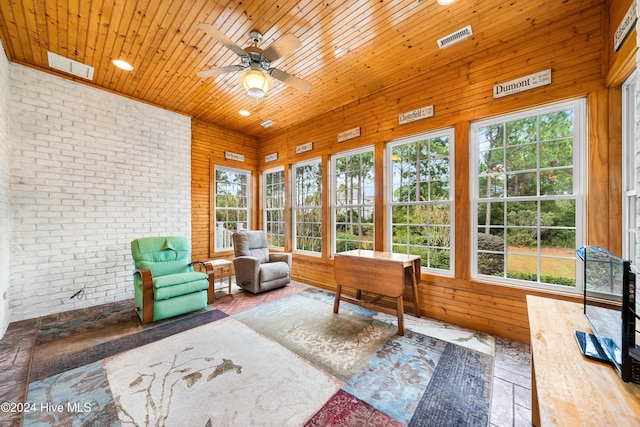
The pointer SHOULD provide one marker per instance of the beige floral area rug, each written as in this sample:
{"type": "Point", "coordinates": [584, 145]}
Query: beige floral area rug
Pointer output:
{"type": "Point", "coordinates": [287, 361]}
{"type": "Point", "coordinates": [220, 374]}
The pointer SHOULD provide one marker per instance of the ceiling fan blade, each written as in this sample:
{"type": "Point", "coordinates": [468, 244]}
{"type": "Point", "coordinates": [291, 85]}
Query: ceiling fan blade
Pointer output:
{"type": "Point", "coordinates": [287, 78]}
{"type": "Point", "coordinates": [221, 38]}
{"type": "Point", "coordinates": [284, 46]}
{"type": "Point", "coordinates": [215, 72]}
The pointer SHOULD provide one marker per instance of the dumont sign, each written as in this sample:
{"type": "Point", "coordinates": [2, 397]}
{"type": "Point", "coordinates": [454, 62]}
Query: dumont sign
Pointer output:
{"type": "Point", "coordinates": [414, 115]}
{"type": "Point", "coordinates": [522, 84]}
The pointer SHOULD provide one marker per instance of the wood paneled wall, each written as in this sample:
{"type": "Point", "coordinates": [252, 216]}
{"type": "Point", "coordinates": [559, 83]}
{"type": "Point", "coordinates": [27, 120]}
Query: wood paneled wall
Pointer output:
{"type": "Point", "coordinates": [209, 143]}
{"type": "Point", "coordinates": [575, 48]}
{"type": "Point", "coordinates": [622, 62]}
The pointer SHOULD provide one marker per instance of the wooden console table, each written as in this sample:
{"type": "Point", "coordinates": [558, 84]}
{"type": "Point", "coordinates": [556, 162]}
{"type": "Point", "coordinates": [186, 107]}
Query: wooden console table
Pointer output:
{"type": "Point", "coordinates": [567, 389]}
{"type": "Point", "coordinates": [382, 273]}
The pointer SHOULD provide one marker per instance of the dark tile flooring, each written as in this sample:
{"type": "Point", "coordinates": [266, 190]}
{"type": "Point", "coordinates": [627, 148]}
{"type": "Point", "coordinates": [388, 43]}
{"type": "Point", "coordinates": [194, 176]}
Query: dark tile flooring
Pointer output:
{"type": "Point", "coordinates": [24, 344]}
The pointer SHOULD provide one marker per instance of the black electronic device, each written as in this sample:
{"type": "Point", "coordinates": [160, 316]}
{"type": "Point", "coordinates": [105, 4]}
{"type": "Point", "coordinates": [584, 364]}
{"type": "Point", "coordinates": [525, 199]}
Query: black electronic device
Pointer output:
{"type": "Point", "coordinates": [615, 337]}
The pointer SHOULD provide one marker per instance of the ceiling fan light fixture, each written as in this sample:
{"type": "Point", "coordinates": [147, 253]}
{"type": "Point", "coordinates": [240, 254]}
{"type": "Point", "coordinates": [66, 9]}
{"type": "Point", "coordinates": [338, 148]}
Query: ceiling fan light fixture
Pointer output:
{"type": "Point", "coordinates": [256, 83]}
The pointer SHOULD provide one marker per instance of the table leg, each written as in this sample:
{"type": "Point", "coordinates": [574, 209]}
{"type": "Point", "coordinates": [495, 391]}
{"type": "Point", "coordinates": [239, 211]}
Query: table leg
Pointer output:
{"type": "Point", "coordinates": [535, 408]}
{"type": "Point", "coordinates": [229, 277]}
{"type": "Point", "coordinates": [416, 279]}
{"type": "Point", "coordinates": [336, 303]}
{"type": "Point", "coordinates": [400, 309]}
{"type": "Point", "coordinates": [211, 278]}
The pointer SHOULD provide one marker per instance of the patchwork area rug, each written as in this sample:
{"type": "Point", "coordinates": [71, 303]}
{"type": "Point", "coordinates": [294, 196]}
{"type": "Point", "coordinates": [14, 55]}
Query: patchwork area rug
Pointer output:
{"type": "Point", "coordinates": [289, 361]}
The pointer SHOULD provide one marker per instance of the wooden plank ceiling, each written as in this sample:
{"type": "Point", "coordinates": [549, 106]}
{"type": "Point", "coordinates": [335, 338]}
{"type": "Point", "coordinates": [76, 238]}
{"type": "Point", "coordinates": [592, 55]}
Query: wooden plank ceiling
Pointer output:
{"type": "Point", "coordinates": [350, 48]}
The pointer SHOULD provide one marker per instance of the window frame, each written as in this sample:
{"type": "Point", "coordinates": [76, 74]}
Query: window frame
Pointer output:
{"type": "Point", "coordinates": [295, 207]}
{"type": "Point", "coordinates": [249, 174]}
{"type": "Point", "coordinates": [266, 209]}
{"type": "Point", "coordinates": [579, 183]}
{"type": "Point", "coordinates": [390, 204]}
{"type": "Point", "coordinates": [334, 194]}
{"type": "Point", "coordinates": [630, 151]}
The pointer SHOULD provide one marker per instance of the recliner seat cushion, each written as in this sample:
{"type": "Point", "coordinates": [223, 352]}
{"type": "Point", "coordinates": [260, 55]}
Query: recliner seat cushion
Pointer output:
{"type": "Point", "coordinates": [173, 285]}
{"type": "Point", "coordinates": [178, 279]}
{"type": "Point", "coordinates": [273, 270]}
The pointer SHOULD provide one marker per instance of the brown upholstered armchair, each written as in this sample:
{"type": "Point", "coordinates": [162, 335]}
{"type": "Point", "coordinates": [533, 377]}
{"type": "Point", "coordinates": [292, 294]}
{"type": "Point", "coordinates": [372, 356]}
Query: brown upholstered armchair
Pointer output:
{"type": "Point", "coordinates": [257, 270]}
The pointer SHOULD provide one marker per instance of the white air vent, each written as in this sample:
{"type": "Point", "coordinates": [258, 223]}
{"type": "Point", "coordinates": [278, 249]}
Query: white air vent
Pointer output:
{"type": "Point", "coordinates": [267, 123]}
{"type": "Point", "coordinates": [70, 66]}
{"type": "Point", "coordinates": [455, 37]}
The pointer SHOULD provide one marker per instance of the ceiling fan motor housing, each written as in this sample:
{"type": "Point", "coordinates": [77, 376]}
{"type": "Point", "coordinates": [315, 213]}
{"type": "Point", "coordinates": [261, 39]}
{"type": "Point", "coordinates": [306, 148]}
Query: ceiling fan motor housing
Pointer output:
{"type": "Point", "coordinates": [255, 57]}
{"type": "Point", "coordinates": [256, 36]}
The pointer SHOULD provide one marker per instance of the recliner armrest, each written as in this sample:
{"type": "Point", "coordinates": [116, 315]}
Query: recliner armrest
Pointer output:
{"type": "Point", "coordinates": [280, 257]}
{"type": "Point", "coordinates": [246, 262]}
{"type": "Point", "coordinates": [147, 294]}
{"type": "Point", "coordinates": [208, 268]}
{"type": "Point", "coordinates": [247, 270]}
{"type": "Point", "coordinates": [200, 263]}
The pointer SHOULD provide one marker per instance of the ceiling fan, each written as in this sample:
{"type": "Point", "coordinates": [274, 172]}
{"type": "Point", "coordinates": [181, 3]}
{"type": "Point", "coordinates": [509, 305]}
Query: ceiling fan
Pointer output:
{"type": "Point", "coordinates": [256, 63]}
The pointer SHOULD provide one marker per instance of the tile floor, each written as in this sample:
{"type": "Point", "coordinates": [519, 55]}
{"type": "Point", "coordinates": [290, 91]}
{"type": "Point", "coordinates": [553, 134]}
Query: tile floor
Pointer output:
{"type": "Point", "coordinates": [511, 398]}
{"type": "Point", "coordinates": [511, 393]}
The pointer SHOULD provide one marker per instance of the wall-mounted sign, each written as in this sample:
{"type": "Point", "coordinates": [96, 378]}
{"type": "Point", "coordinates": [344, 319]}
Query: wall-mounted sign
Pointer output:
{"type": "Point", "coordinates": [625, 27]}
{"type": "Point", "coordinates": [233, 156]}
{"type": "Point", "coordinates": [349, 134]}
{"type": "Point", "coordinates": [304, 147]}
{"type": "Point", "coordinates": [522, 84]}
{"type": "Point", "coordinates": [419, 114]}
{"type": "Point", "coordinates": [271, 157]}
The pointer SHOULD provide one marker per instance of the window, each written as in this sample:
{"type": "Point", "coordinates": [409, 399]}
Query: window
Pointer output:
{"type": "Point", "coordinates": [420, 207]}
{"type": "Point", "coordinates": [307, 206]}
{"type": "Point", "coordinates": [352, 207]}
{"type": "Point", "coordinates": [232, 195]}
{"type": "Point", "coordinates": [274, 207]}
{"type": "Point", "coordinates": [629, 178]}
{"type": "Point", "coordinates": [528, 208]}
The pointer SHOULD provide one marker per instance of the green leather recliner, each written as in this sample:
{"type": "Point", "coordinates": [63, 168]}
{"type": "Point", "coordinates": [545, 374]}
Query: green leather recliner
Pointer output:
{"type": "Point", "coordinates": [165, 283]}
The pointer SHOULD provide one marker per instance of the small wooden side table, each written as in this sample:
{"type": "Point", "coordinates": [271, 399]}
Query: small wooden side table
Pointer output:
{"type": "Point", "coordinates": [221, 265]}
{"type": "Point", "coordinates": [381, 273]}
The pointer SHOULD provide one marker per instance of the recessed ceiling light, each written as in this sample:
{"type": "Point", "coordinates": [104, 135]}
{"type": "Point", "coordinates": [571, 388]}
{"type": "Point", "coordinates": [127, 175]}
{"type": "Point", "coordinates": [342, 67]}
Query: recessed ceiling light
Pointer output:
{"type": "Point", "coordinates": [244, 113]}
{"type": "Point", "coordinates": [445, 2]}
{"type": "Point", "coordinates": [123, 65]}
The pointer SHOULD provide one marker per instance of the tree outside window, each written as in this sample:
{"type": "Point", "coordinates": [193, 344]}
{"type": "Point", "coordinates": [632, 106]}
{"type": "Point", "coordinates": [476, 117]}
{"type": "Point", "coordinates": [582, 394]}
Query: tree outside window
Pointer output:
{"type": "Point", "coordinates": [232, 195]}
{"type": "Point", "coordinates": [528, 200]}
{"type": "Point", "coordinates": [307, 207]}
{"type": "Point", "coordinates": [421, 198]}
{"type": "Point", "coordinates": [353, 200]}
{"type": "Point", "coordinates": [274, 207]}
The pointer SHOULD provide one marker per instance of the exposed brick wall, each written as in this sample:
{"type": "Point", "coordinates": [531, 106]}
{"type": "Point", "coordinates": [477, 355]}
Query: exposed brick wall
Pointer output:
{"type": "Point", "coordinates": [5, 212]}
{"type": "Point", "coordinates": [90, 172]}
